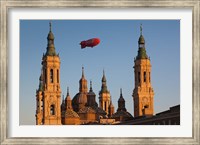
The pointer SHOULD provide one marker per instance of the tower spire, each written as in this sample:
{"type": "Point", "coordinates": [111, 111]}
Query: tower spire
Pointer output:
{"type": "Point", "coordinates": [50, 43]}
{"type": "Point", "coordinates": [104, 95]}
{"type": "Point", "coordinates": [104, 77]}
{"type": "Point", "coordinates": [50, 26]}
{"type": "Point", "coordinates": [83, 72]}
{"type": "Point", "coordinates": [67, 91]}
{"type": "Point", "coordinates": [120, 92]}
{"type": "Point", "coordinates": [83, 82]}
{"type": "Point", "coordinates": [141, 46]}
{"type": "Point", "coordinates": [104, 85]}
{"type": "Point", "coordinates": [90, 86]}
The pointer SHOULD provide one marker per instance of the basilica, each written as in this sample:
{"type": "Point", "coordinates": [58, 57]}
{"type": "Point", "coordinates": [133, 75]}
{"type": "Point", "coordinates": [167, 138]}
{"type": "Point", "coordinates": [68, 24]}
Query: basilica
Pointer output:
{"type": "Point", "coordinates": [83, 108]}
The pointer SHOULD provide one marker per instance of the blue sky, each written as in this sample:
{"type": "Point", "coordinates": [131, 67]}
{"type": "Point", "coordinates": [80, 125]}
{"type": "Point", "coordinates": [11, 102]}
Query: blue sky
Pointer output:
{"type": "Point", "coordinates": [115, 54]}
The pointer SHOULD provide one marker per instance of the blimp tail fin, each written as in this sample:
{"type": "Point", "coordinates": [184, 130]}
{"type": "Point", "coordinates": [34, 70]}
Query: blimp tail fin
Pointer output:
{"type": "Point", "coordinates": [83, 45]}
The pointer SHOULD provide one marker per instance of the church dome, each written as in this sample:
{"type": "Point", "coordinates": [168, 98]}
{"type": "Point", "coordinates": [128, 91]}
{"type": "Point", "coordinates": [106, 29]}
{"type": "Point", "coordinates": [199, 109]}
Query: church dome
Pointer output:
{"type": "Point", "coordinates": [82, 98]}
{"type": "Point", "coordinates": [75, 98]}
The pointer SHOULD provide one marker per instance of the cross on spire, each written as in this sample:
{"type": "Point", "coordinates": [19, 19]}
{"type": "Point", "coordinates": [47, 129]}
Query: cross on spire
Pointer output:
{"type": "Point", "coordinates": [140, 29]}
{"type": "Point", "coordinates": [50, 26]}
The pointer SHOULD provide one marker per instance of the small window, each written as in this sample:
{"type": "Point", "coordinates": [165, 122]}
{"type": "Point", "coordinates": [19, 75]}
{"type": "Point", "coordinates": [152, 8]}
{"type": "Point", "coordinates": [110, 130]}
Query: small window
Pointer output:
{"type": "Point", "coordinates": [105, 106]}
{"type": "Point", "coordinates": [57, 75]}
{"type": "Point", "coordinates": [51, 75]}
{"type": "Point", "coordinates": [52, 110]}
{"type": "Point", "coordinates": [45, 74]}
{"type": "Point", "coordinates": [42, 103]}
{"type": "Point", "coordinates": [139, 77]}
{"type": "Point", "coordinates": [149, 77]}
{"type": "Point", "coordinates": [144, 76]}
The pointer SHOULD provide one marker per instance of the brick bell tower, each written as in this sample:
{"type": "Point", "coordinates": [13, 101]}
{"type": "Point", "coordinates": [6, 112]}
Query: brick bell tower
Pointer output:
{"type": "Point", "coordinates": [104, 95]}
{"type": "Point", "coordinates": [51, 92]}
{"type": "Point", "coordinates": [143, 94]}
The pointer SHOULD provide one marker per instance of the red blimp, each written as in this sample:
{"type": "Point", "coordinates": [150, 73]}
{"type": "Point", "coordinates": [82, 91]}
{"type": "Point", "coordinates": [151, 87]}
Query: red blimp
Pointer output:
{"type": "Point", "coordinates": [90, 43]}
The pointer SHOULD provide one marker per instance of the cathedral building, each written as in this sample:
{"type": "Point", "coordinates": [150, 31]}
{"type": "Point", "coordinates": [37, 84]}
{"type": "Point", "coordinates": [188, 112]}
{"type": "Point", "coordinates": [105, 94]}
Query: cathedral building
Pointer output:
{"type": "Point", "coordinates": [83, 107]}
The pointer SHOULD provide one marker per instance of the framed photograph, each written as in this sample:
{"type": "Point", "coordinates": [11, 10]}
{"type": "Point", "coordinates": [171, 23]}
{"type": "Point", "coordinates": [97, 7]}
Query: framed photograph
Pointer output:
{"type": "Point", "coordinates": [103, 72]}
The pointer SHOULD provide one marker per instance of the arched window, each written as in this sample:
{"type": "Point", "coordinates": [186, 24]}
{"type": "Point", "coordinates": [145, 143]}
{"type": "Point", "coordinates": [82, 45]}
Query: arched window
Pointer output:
{"type": "Point", "coordinates": [45, 74]}
{"type": "Point", "coordinates": [57, 76]}
{"type": "Point", "coordinates": [139, 77]}
{"type": "Point", "coordinates": [51, 75]}
{"type": "Point", "coordinates": [149, 77]}
{"type": "Point", "coordinates": [42, 104]}
{"type": "Point", "coordinates": [52, 110]}
{"type": "Point", "coordinates": [105, 106]}
{"type": "Point", "coordinates": [145, 76]}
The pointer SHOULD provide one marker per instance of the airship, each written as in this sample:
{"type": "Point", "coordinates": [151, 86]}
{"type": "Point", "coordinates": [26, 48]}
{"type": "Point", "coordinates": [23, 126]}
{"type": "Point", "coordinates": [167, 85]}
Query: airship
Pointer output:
{"type": "Point", "coordinates": [90, 43]}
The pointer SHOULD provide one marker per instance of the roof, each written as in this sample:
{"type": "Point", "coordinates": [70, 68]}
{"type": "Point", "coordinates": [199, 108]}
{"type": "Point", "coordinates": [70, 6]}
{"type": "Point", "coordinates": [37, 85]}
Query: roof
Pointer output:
{"type": "Point", "coordinates": [121, 113]}
{"type": "Point", "coordinates": [71, 114]}
{"type": "Point", "coordinates": [99, 111]}
{"type": "Point", "coordinates": [87, 110]}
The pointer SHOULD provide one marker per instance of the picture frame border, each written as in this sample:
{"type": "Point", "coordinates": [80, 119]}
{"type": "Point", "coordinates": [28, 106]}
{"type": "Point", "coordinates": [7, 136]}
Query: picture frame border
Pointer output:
{"type": "Point", "coordinates": [5, 5]}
